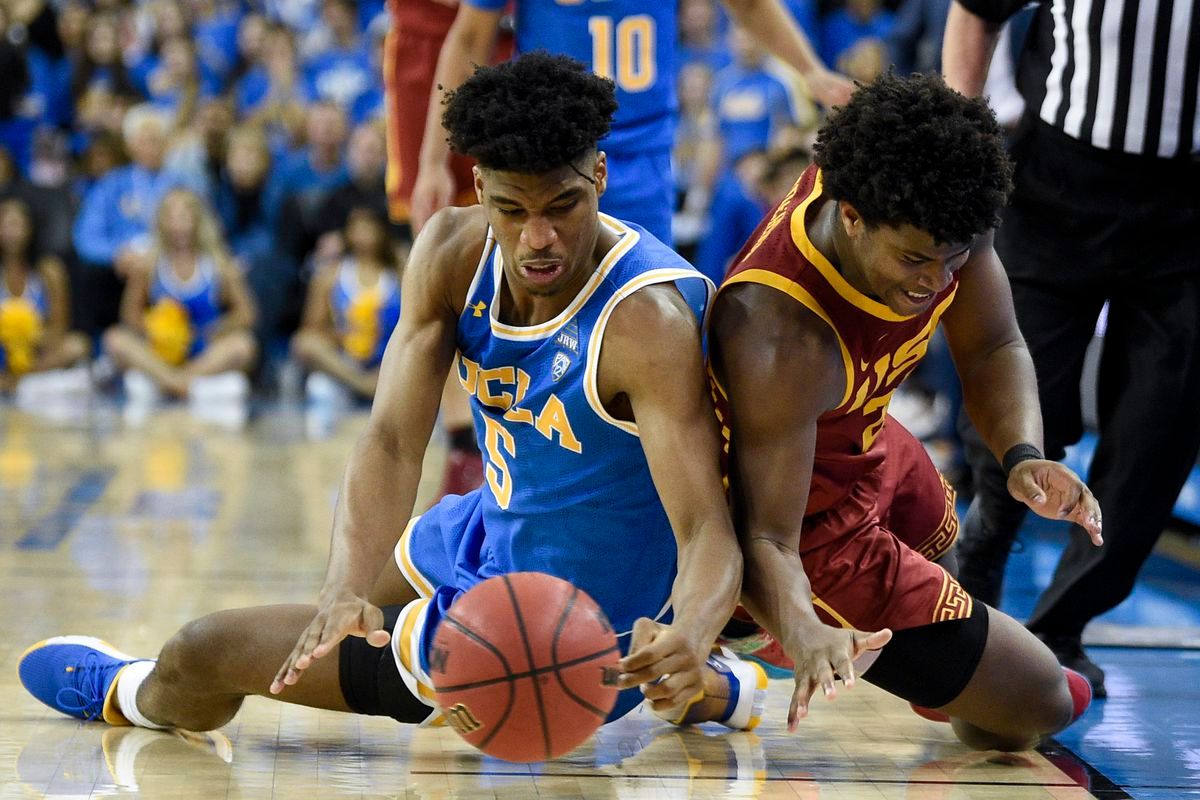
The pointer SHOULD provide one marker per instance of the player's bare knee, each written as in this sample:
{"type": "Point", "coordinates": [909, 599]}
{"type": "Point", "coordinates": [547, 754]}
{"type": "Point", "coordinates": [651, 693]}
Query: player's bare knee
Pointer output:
{"type": "Point", "coordinates": [304, 345]}
{"type": "Point", "coordinates": [116, 343]}
{"type": "Point", "coordinates": [194, 653]}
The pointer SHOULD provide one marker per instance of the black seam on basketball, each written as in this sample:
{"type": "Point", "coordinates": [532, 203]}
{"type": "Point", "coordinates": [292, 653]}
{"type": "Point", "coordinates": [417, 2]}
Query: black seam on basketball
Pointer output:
{"type": "Point", "coordinates": [562, 621]}
{"type": "Point", "coordinates": [537, 690]}
{"type": "Point", "coordinates": [512, 690]}
{"type": "Point", "coordinates": [574, 662]}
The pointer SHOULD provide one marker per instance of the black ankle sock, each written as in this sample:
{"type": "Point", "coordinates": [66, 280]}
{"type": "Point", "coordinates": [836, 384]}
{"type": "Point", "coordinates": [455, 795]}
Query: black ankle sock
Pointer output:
{"type": "Point", "coordinates": [463, 439]}
{"type": "Point", "coordinates": [739, 628]}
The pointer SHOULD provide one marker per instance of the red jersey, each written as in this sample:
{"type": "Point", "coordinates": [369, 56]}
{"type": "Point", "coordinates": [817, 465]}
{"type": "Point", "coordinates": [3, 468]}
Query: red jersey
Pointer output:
{"type": "Point", "coordinates": [426, 17]}
{"type": "Point", "coordinates": [879, 347]}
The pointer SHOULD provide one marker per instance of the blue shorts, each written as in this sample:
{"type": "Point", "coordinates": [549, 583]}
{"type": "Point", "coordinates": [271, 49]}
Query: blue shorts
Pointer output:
{"type": "Point", "coordinates": [640, 190]}
{"type": "Point", "coordinates": [440, 555]}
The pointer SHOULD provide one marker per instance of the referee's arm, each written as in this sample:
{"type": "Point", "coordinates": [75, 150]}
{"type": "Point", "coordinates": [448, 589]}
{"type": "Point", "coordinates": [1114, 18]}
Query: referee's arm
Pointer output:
{"type": "Point", "coordinates": [972, 28]}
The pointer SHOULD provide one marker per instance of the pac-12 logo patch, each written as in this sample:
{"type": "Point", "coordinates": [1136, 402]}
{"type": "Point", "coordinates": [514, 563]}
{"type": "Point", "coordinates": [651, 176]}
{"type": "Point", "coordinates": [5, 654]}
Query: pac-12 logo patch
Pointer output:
{"type": "Point", "coordinates": [559, 366]}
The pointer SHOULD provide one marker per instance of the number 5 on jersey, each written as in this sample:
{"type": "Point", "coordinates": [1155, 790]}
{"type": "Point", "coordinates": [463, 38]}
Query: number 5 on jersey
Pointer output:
{"type": "Point", "coordinates": [496, 469]}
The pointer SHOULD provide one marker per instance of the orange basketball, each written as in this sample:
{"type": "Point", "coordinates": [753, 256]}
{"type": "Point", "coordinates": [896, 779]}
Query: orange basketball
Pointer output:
{"type": "Point", "coordinates": [525, 666]}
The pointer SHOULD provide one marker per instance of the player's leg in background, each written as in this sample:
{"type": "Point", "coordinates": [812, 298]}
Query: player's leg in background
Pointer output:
{"type": "Point", "coordinates": [464, 463]}
{"type": "Point", "coordinates": [1149, 390]}
{"type": "Point", "coordinates": [1058, 324]}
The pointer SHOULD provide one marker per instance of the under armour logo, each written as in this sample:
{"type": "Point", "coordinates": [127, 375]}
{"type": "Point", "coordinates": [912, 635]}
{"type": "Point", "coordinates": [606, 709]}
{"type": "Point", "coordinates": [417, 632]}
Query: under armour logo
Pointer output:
{"type": "Point", "coordinates": [477, 308]}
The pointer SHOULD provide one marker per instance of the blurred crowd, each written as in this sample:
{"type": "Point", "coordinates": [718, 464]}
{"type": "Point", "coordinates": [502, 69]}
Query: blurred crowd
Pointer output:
{"type": "Point", "coordinates": [194, 190]}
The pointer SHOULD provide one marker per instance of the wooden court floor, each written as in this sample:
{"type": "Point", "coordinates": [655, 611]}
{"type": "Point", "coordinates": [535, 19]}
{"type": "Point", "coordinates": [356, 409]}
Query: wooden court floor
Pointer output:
{"type": "Point", "coordinates": [126, 533]}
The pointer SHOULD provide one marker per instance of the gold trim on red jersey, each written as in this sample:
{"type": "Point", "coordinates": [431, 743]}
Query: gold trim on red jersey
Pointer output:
{"type": "Point", "coordinates": [827, 270]}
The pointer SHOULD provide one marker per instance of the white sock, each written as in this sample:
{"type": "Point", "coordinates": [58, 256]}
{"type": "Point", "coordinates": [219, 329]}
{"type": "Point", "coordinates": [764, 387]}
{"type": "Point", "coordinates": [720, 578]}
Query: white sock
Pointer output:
{"type": "Point", "coordinates": [128, 683]}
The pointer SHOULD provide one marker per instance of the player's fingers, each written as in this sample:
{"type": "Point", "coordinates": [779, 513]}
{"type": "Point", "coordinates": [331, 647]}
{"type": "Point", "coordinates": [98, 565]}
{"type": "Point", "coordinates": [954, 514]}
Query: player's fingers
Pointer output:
{"type": "Point", "coordinates": [1024, 488]}
{"type": "Point", "coordinates": [1087, 514]}
{"type": "Point", "coordinates": [372, 622]}
{"type": "Point", "coordinates": [310, 640]}
{"type": "Point", "coordinates": [674, 690]}
{"type": "Point", "coordinates": [277, 682]}
{"type": "Point", "coordinates": [826, 682]}
{"type": "Point", "coordinates": [673, 663]}
{"type": "Point", "coordinates": [331, 635]}
{"type": "Point", "coordinates": [288, 669]}
{"type": "Point", "coordinates": [845, 665]}
{"type": "Point", "coordinates": [798, 709]}
{"type": "Point", "coordinates": [870, 641]}
{"type": "Point", "coordinates": [641, 651]}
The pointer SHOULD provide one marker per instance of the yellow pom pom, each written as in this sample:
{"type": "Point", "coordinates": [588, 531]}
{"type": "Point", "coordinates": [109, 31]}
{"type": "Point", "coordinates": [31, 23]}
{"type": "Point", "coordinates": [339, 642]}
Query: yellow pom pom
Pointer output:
{"type": "Point", "coordinates": [20, 322]}
{"type": "Point", "coordinates": [362, 320]}
{"type": "Point", "coordinates": [20, 332]}
{"type": "Point", "coordinates": [169, 329]}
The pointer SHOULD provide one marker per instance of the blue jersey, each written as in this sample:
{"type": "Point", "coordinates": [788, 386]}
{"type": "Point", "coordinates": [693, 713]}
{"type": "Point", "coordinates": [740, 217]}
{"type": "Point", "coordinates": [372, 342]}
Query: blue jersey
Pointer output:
{"type": "Point", "coordinates": [568, 490]}
{"type": "Point", "coordinates": [200, 296]}
{"type": "Point", "coordinates": [364, 317]}
{"type": "Point", "coordinates": [630, 41]}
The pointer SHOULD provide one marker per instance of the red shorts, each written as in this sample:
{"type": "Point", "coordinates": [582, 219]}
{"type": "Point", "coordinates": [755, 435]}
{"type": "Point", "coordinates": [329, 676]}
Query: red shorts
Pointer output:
{"type": "Point", "coordinates": [409, 61]}
{"type": "Point", "coordinates": [870, 558]}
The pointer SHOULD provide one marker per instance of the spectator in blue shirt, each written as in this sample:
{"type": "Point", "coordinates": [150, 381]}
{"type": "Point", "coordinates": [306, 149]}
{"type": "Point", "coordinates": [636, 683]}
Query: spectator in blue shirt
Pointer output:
{"type": "Point", "coordinates": [251, 47]}
{"type": "Point", "coordinates": [342, 72]}
{"type": "Point", "coordinates": [751, 104]}
{"type": "Point", "coordinates": [271, 93]}
{"type": "Point", "coordinates": [100, 64]}
{"type": "Point", "coordinates": [215, 32]}
{"type": "Point", "coordinates": [177, 84]}
{"type": "Point", "coordinates": [736, 210]}
{"type": "Point", "coordinates": [118, 213]}
{"type": "Point", "coordinates": [846, 27]}
{"type": "Point", "coordinates": [699, 37]}
{"type": "Point", "coordinates": [319, 166]}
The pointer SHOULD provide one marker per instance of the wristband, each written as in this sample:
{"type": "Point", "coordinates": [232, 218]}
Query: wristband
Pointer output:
{"type": "Point", "coordinates": [1018, 453]}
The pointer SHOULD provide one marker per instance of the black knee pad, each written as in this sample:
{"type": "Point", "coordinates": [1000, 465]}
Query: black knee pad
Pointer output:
{"type": "Point", "coordinates": [370, 679]}
{"type": "Point", "coordinates": [930, 665]}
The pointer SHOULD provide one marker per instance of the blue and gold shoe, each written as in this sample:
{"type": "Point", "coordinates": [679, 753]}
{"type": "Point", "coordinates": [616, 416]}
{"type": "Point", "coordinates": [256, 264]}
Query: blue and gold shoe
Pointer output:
{"type": "Point", "coordinates": [747, 694]}
{"type": "Point", "coordinates": [76, 675]}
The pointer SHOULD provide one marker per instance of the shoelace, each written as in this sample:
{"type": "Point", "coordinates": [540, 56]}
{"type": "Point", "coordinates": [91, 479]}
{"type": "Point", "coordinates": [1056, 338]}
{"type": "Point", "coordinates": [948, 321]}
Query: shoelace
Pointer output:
{"type": "Point", "coordinates": [86, 695]}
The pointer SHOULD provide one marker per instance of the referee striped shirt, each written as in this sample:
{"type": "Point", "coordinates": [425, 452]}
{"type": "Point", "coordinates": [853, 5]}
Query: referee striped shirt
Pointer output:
{"type": "Point", "coordinates": [1120, 75]}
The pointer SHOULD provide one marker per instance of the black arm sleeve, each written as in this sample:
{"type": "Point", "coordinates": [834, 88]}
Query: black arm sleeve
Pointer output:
{"type": "Point", "coordinates": [993, 10]}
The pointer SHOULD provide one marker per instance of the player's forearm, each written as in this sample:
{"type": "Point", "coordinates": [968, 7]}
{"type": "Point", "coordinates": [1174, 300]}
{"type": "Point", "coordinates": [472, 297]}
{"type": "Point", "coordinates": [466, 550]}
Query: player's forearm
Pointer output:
{"type": "Point", "coordinates": [461, 50]}
{"type": "Point", "coordinates": [374, 505]}
{"type": "Point", "coordinates": [707, 586]}
{"type": "Point", "coordinates": [777, 593]}
{"type": "Point", "coordinates": [771, 25]}
{"type": "Point", "coordinates": [967, 50]}
{"type": "Point", "coordinates": [1001, 398]}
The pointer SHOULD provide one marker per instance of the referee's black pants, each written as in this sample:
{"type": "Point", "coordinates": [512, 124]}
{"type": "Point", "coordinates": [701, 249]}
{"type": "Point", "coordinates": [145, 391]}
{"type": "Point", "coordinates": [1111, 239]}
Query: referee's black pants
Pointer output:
{"type": "Point", "coordinates": [1085, 227]}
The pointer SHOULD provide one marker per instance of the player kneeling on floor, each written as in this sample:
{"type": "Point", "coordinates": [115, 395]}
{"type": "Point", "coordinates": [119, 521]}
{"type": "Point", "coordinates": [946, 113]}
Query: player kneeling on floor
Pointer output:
{"type": "Point", "coordinates": [577, 336]}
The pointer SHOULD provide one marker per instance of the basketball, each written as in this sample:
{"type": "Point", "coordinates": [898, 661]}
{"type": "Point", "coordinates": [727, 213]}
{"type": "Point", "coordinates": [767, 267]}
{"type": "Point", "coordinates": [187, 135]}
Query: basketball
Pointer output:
{"type": "Point", "coordinates": [525, 666]}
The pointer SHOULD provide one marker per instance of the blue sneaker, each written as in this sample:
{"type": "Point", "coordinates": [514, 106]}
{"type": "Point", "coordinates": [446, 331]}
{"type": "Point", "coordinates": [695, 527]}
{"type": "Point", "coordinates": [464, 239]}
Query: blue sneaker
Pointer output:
{"type": "Point", "coordinates": [76, 675]}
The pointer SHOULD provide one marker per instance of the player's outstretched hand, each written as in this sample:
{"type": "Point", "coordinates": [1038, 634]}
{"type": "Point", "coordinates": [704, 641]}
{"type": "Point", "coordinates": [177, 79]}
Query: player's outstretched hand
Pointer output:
{"type": "Point", "coordinates": [433, 191]}
{"type": "Point", "coordinates": [828, 651]}
{"type": "Point", "coordinates": [829, 88]}
{"type": "Point", "coordinates": [339, 614]}
{"type": "Point", "coordinates": [1055, 492]}
{"type": "Point", "coordinates": [660, 652]}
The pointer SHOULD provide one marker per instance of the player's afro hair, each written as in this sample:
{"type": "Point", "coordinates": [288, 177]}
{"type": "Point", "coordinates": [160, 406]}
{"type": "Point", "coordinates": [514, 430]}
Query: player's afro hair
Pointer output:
{"type": "Point", "coordinates": [914, 151]}
{"type": "Point", "coordinates": [534, 114]}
